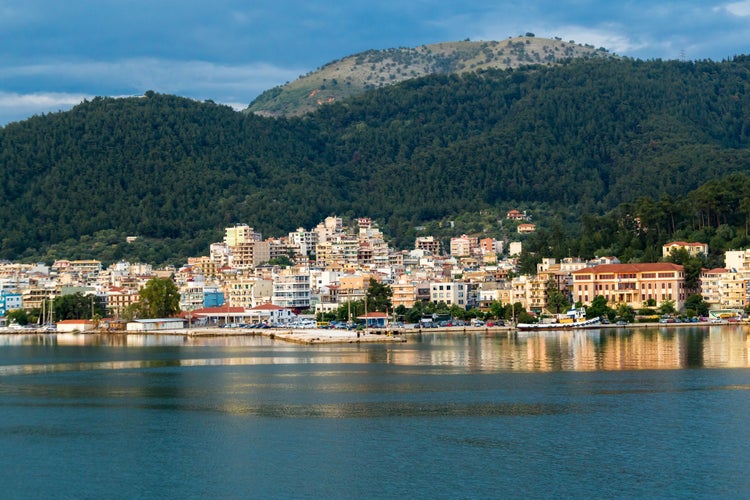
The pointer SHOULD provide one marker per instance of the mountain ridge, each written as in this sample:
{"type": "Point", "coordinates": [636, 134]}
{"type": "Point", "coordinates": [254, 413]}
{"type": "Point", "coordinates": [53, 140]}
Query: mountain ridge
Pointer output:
{"type": "Point", "coordinates": [357, 73]}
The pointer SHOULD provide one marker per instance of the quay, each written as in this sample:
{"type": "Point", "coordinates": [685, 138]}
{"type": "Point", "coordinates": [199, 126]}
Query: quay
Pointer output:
{"type": "Point", "coordinates": [311, 336]}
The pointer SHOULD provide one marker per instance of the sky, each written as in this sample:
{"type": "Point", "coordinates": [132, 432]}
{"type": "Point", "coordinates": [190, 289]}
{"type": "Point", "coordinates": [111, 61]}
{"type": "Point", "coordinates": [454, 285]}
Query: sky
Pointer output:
{"type": "Point", "coordinates": [54, 54]}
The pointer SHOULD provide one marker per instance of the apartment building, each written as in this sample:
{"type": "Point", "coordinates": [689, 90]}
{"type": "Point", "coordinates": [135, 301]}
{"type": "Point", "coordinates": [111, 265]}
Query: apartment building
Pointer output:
{"type": "Point", "coordinates": [291, 289]}
{"type": "Point", "coordinates": [428, 244]}
{"type": "Point", "coordinates": [450, 292]}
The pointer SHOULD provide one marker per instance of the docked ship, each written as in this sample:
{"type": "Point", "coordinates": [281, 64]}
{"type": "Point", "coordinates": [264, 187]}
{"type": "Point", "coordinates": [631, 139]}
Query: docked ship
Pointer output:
{"type": "Point", "coordinates": [574, 318]}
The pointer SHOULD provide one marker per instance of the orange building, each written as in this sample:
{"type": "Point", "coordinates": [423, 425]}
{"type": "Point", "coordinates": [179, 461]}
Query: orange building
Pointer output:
{"type": "Point", "coordinates": [631, 284]}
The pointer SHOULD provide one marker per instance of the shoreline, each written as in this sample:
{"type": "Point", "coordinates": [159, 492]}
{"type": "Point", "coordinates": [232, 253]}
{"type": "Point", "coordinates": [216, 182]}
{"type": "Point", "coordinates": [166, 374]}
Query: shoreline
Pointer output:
{"type": "Point", "coordinates": [312, 336]}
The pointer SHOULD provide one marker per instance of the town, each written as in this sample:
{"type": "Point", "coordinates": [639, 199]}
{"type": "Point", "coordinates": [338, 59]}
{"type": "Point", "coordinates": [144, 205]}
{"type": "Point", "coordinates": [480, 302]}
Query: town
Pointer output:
{"type": "Point", "coordinates": [313, 274]}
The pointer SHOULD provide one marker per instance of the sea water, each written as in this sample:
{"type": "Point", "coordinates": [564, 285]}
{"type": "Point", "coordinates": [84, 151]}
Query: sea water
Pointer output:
{"type": "Point", "coordinates": [602, 413]}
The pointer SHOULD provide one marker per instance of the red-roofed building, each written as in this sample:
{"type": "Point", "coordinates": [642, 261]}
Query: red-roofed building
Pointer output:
{"type": "Point", "coordinates": [272, 314]}
{"type": "Point", "coordinates": [693, 249]}
{"type": "Point", "coordinates": [223, 315]}
{"type": "Point", "coordinates": [631, 284]}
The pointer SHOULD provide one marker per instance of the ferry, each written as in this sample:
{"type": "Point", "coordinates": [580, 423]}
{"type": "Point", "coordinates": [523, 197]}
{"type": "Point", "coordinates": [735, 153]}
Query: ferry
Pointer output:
{"type": "Point", "coordinates": [574, 318]}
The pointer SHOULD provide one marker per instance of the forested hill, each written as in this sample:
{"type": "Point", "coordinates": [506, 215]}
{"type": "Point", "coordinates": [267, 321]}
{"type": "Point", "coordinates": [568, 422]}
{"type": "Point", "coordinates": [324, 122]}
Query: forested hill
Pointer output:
{"type": "Point", "coordinates": [578, 139]}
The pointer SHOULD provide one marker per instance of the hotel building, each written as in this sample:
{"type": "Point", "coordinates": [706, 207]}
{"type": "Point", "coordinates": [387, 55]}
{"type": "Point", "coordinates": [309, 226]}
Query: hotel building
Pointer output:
{"type": "Point", "coordinates": [631, 284]}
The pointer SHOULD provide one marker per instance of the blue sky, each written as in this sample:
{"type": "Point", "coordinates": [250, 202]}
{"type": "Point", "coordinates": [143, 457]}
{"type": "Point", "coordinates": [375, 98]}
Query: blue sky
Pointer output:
{"type": "Point", "coordinates": [55, 53]}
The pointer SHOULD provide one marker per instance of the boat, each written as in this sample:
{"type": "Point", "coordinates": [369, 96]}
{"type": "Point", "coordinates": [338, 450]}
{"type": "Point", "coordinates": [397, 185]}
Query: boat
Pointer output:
{"type": "Point", "coordinates": [573, 319]}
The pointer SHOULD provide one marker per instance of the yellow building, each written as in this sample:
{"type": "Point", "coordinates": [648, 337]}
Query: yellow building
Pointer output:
{"type": "Point", "coordinates": [631, 284]}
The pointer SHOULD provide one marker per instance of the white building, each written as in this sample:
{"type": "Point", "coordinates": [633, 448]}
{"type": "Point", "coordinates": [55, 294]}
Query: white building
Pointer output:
{"type": "Point", "coordinates": [272, 314]}
{"type": "Point", "coordinates": [515, 248]}
{"type": "Point", "coordinates": [450, 292]}
{"type": "Point", "coordinates": [292, 291]}
{"type": "Point", "coordinates": [152, 325]}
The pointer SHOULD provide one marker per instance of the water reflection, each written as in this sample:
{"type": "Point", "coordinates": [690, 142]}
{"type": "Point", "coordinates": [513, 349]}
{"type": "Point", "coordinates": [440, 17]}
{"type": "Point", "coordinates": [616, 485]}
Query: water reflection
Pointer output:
{"type": "Point", "coordinates": [582, 350]}
{"type": "Point", "coordinates": [589, 350]}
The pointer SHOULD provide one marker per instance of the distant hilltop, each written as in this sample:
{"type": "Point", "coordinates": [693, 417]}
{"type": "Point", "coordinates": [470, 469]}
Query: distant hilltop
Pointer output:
{"type": "Point", "coordinates": [358, 73]}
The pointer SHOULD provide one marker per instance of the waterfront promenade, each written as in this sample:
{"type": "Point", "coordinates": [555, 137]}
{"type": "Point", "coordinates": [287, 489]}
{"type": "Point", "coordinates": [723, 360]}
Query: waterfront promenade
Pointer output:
{"type": "Point", "coordinates": [342, 336]}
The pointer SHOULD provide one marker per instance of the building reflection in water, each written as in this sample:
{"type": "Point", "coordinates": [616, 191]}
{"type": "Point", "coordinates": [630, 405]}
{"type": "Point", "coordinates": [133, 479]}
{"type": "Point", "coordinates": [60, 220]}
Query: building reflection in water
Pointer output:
{"type": "Point", "coordinates": [725, 346]}
{"type": "Point", "coordinates": [590, 350]}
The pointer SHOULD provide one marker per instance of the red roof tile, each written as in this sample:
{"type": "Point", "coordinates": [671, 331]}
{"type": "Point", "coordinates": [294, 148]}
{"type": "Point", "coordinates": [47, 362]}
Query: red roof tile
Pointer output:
{"type": "Point", "coordinates": [644, 267]}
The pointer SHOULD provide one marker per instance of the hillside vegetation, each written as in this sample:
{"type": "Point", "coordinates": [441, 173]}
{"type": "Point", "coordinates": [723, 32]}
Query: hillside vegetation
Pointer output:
{"type": "Point", "coordinates": [373, 69]}
{"type": "Point", "coordinates": [574, 142]}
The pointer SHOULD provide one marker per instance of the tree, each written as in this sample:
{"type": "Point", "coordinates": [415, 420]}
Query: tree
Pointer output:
{"type": "Point", "coordinates": [598, 307]}
{"type": "Point", "coordinates": [414, 314]}
{"type": "Point", "coordinates": [18, 316]}
{"type": "Point", "coordinates": [556, 300]}
{"type": "Point", "coordinates": [77, 306]}
{"type": "Point", "coordinates": [696, 304]}
{"type": "Point", "coordinates": [400, 311]}
{"type": "Point", "coordinates": [527, 262]}
{"type": "Point", "coordinates": [667, 307]}
{"type": "Point", "coordinates": [457, 311]}
{"type": "Point", "coordinates": [513, 311]}
{"type": "Point", "coordinates": [281, 261]}
{"type": "Point", "coordinates": [160, 298]}
{"type": "Point", "coordinates": [524, 317]}
{"type": "Point", "coordinates": [691, 265]}
{"type": "Point", "coordinates": [378, 296]}
{"type": "Point", "coordinates": [625, 312]}
{"type": "Point", "coordinates": [496, 309]}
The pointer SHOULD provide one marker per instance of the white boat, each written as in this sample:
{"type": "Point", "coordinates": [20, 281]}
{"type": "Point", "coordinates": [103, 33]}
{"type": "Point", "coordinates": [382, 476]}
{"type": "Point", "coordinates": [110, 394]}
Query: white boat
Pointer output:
{"type": "Point", "coordinates": [574, 318]}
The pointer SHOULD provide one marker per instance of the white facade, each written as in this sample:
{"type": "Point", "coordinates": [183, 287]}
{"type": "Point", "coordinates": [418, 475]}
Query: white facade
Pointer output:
{"type": "Point", "coordinates": [450, 292]}
{"type": "Point", "coordinates": [151, 325]}
{"type": "Point", "coordinates": [515, 248]}
{"type": "Point", "coordinates": [292, 291]}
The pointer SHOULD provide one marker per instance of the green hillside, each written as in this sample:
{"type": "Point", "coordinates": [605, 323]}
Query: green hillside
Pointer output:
{"type": "Point", "coordinates": [573, 140]}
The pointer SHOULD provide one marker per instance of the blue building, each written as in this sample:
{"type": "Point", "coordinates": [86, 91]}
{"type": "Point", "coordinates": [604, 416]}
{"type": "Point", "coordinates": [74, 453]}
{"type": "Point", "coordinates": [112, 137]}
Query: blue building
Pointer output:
{"type": "Point", "coordinates": [213, 298]}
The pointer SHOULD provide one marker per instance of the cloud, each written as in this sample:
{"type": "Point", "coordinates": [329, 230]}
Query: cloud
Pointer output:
{"type": "Point", "coordinates": [608, 37]}
{"type": "Point", "coordinates": [740, 9]}
{"type": "Point", "coordinates": [234, 85]}
{"type": "Point", "coordinates": [16, 107]}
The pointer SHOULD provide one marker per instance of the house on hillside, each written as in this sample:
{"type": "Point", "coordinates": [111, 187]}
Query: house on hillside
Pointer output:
{"type": "Point", "coordinates": [516, 215]}
{"type": "Point", "coordinates": [693, 249]}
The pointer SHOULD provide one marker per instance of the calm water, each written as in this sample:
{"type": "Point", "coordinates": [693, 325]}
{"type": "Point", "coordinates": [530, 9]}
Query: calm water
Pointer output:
{"type": "Point", "coordinates": [614, 414]}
